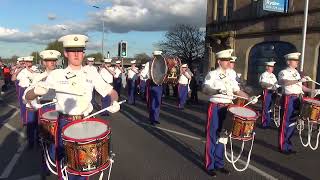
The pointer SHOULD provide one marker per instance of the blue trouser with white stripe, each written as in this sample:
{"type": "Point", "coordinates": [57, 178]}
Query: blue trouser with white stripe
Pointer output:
{"type": "Point", "coordinates": [106, 102]}
{"type": "Point", "coordinates": [183, 94]}
{"type": "Point", "coordinates": [60, 154]}
{"type": "Point", "coordinates": [32, 125]}
{"type": "Point", "coordinates": [289, 114]}
{"type": "Point", "coordinates": [142, 89]}
{"type": "Point", "coordinates": [131, 91]}
{"type": "Point", "coordinates": [155, 102]}
{"type": "Point", "coordinates": [266, 108]}
{"type": "Point", "coordinates": [117, 84]}
{"type": "Point", "coordinates": [214, 151]}
{"type": "Point", "coordinates": [22, 106]}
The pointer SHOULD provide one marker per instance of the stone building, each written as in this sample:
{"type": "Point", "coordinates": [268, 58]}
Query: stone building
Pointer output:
{"type": "Point", "coordinates": [258, 36]}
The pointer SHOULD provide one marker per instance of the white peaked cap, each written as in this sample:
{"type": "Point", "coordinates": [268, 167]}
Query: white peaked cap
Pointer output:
{"type": "Point", "coordinates": [107, 60]}
{"type": "Point", "coordinates": [118, 62]}
{"type": "Point", "coordinates": [270, 63]}
{"type": "Point", "coordinates": [233, 59]}
{"type": "Point", "coordinates": [50, 54]}
{"type": "Point", "coordinates": [157, 52]}
{"type": "Point", "coordinates": [225, 54]}
{"type": "Point", "coordinates": [34, 68]}
{"type": "Point", "coordinates": [184, 65]}
{"type": "Point", "coordinates": [74, 41]}
{"type": "Point", "coordinates": [292, 56]}
{"type": "Point", "coordinates": [133, 61]}
{"type": "Point", "coordinates": [28, 58]}
{"type": "Point", "coordinates": [19, 59]}
{"type": "Point", "coordinates": [91, 59]}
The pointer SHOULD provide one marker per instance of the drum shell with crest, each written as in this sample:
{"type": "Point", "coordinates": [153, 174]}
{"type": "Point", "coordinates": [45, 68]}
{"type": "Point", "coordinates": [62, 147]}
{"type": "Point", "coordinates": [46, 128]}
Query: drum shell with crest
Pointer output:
{"type": "Point", "coordinates": [173, 64]}
{"type": "Point", "coordinates": [310, 110]}
{"type": "Point", "coordinates": [48, 125]}
{"type": "Point", "coordinates": [87, 146]}
{"type": "Point", "coordinates": [243, 122]}
{"type": "Point", "coordinates": [158, 69]}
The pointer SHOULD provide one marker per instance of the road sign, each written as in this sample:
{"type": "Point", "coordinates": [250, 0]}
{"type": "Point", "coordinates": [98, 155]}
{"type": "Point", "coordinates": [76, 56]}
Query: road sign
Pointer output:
{"type": "Point", "coordinates": [275, 5]}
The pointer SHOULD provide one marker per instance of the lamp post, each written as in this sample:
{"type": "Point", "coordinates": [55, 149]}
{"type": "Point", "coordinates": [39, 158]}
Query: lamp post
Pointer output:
{"type": "Point", "coordinates": [304, 33]}
{"type": "Point", "coordinates": [102, 41]}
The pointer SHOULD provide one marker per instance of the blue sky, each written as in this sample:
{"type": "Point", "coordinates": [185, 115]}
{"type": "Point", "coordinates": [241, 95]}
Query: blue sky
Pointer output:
{"type": "Point", "coordinates": [25, 25]}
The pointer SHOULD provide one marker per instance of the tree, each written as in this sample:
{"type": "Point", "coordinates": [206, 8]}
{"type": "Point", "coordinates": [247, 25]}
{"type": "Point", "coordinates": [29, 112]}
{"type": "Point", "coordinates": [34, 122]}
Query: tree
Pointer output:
{"type": "Point", "coordinates": [56, 45]}
{"type": "Point", "coordinates": [142, 57]}
{"type": "Point", "coordinates": [36, 56]}
{"type": "Point", "coordinates": [184, 41]}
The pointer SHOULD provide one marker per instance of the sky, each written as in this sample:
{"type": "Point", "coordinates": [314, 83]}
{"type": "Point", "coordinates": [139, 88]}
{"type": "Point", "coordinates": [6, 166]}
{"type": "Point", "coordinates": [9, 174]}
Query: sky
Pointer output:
{"type": "Point", "coordinates": [29, 25]}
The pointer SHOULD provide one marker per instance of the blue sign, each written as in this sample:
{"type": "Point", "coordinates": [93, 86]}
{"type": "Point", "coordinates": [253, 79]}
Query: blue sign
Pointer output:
{"type": "Point", "coordinates": [275, 5]}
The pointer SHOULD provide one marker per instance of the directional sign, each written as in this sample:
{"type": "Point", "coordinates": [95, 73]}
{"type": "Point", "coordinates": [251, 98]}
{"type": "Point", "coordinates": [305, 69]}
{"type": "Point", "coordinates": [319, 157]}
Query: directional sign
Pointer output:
{"type": "Point", "coordinates": [275, 5]}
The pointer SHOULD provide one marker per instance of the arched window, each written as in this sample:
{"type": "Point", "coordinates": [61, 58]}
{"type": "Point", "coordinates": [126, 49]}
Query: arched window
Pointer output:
{"type": "Point", "coordinates": [266, 51]}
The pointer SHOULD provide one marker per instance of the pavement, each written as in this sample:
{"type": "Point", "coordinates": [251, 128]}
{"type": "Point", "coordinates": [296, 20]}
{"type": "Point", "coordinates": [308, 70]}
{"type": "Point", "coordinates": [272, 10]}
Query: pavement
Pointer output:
{"type": "Point", "coordinates": [173, 150]}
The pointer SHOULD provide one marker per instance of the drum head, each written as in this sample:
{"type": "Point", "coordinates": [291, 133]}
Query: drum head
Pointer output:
{"type": "Point", "coordinates": [312, 101]}
{"type": "Point", "coordinates": [158, 69]}
{"type": "Point", "coordinates": [85, 130]}
{"type": "Point", "coordinates": [50, 115]}
{"type": "Point", "coordinates": [242, 112]}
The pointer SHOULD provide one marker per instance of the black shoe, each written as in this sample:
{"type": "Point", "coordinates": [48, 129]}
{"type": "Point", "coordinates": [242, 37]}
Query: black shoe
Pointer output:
{"type": "Point", "coordinates": [152, 124]}
{"type": "Point", "coordinates": [157, 122]}
{"type": "Point", "coordinates": [284, 152]}
{"type": "Point", "coordinates": [212, 173]}
{"type": "Point", "coordinates": [224, 171]}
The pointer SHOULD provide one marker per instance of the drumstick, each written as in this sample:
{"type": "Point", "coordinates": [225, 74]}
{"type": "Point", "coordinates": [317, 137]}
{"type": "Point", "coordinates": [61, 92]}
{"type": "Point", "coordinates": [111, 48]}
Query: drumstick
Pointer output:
{"type": "Point", "coordinates": [48, 103]}
{"type": "Point", "coordinates": [315, 82]}
{"type": "Point", "coordinates": [241, 97]}
{"type": "Point", "coordinates": [102, 110]}
{"type": "Point", "coordinates": [257, 97]}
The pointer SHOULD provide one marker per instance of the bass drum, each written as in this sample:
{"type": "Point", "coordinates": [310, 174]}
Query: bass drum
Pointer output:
{"type": "Point", "coordinates": [158, 69]}
{"type": "Point", "coordinates": [174, 64]}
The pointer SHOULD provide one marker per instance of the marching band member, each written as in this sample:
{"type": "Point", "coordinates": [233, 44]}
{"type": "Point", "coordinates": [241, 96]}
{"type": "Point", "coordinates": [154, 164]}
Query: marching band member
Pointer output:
{"type": "Point", "coordinates": [90, 67]}
{"type": "Point", "coordinates": [49, 58]}
{"type": "Point", "coordinates": [183, 86]}
{"type": "Point", "coordinates": [107, 74]}
{"type": "Point", "coordinates": [143, 82]}
{"type": "Point", "coordinates": [154, 94]}
{"type": "Point", "coordinates": [291, 81]}
{"type": "Point", "coordinates": [24, 77]}
{"type": "Point", "coordinates": [268, 82]}
{"type": "Point", "coordinates": [15, 71]}
{"type": "Point", "coordinates": [73, 87]}
{"type": "Point", "coordinates": [117, 81]}
{"type": "Point", "coordinates": [133, 72]}
{"type": "Point", "coordinates": [231, 71]}
{"type": "Point", "coordinates": [221, 87]}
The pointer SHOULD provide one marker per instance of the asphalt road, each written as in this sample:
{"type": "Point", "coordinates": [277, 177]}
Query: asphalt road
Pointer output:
{"type": "Point", "coordinates": [172, 150]}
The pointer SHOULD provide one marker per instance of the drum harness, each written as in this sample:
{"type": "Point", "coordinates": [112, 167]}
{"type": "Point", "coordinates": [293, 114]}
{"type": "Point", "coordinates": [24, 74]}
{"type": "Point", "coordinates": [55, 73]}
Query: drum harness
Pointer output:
{"type": "Point", "coordinates": [233, 160]}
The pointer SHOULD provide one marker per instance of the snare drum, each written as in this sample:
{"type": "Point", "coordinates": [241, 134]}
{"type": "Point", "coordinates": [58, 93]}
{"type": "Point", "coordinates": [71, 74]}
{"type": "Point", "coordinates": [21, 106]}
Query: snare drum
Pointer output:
{"type": "Point", "coordinates": [244, 120]}
{"type": "Point", "coordinates": [87, 145]}
{"type": "Point", "coordinates": [310, 110]}
{"type": "Point", "coordinates": [240, 101]}
{"type": "Point", "coordinates": [48, 125]}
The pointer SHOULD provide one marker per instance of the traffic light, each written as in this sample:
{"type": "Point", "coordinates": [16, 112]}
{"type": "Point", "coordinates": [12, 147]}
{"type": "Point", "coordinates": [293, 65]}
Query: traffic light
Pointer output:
{"type": "Point", "coordinates": [122, 49]}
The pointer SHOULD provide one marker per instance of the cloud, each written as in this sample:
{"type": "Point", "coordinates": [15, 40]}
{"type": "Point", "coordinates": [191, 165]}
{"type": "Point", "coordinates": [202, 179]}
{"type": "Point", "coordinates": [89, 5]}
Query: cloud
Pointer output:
{"type": "Point", "coordinates": [120, 17]}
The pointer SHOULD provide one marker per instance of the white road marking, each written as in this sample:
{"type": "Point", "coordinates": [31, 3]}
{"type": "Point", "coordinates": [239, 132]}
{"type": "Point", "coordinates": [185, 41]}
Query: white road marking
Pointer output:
{"type": "Point", "coordinates": [21, 134]}
{"type": "Point", "coordinates": [33, 177]}
{"type": "Point", "coordinates": [7, 171]}
{"type": "Point", "coordinates": [253, 168]}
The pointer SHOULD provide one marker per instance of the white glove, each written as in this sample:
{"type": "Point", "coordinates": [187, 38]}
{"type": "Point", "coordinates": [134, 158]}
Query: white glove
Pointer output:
{"type": "Point", "coordinates": [41, 89]}
{"type": "Point", "coordinates": [253, 99]}
{"type": "Point", "coordinates": [224, 92]}
{"type": "Point", "coordinates": [305, 79]}
{"type": "Point", "coordinates": [275, 86]}
{"type": "Point", "coordinates": [115, 107]}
